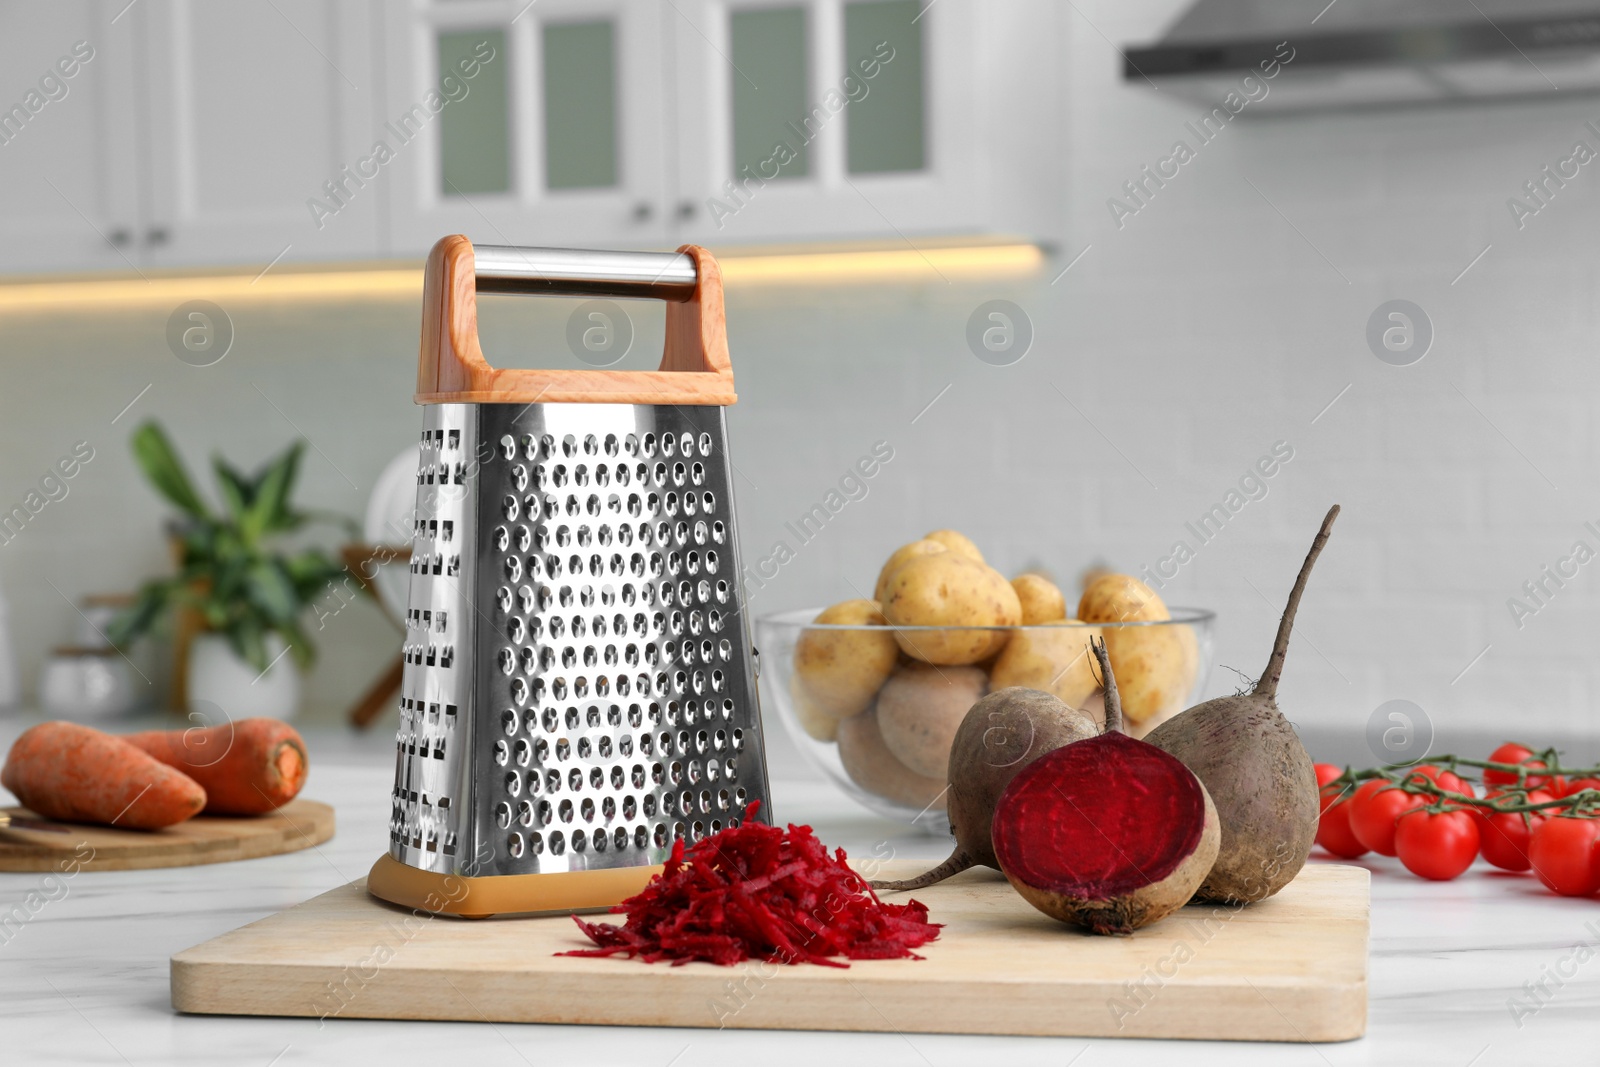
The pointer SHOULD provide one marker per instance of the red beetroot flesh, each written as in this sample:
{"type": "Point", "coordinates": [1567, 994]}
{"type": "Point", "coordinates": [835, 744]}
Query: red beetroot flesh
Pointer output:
{"type": "Point", "coordinates": [1099, 818]}
{"type": "Point", "coordinates": [757, 892]}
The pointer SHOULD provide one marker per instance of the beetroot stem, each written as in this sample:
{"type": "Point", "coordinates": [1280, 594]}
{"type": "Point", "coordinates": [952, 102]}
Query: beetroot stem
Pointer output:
{"type": "Point", "coordinates": [1113, 698]}
{"type": "Point", "coordinates": [1268, 685]}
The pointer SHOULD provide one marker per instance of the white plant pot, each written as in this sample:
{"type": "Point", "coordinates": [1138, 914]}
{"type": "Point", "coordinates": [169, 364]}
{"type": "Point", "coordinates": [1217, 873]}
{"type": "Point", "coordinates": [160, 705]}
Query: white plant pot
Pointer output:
{"type": "Point", "coordinates": [222, 683]}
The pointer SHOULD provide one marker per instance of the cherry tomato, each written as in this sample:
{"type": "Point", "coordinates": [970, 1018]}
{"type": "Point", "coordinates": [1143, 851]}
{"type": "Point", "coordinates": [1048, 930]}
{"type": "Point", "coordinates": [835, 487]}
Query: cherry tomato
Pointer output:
{"type": "Point", "coordinates": [1326, 772]}
{"type": "Point", "coordinates": [1511, 752]}
{"type": "Point", "coordinates": [1373, 811]}
{"type": "Point", "coordinates": [1578, 785]}
{"type": "Point", "coordinates": [1334, 833]}
{"type": "Point", "coordinates": [1436, 845]}
{"type": "Point", "coordinates": [1445, 779]}
{"type": "Point", "coordinates": [1565, 856]}
{"type": "Point", "coordinates": [1333, 829]}
{"type": "Point", "coordinates": [1503, 839]}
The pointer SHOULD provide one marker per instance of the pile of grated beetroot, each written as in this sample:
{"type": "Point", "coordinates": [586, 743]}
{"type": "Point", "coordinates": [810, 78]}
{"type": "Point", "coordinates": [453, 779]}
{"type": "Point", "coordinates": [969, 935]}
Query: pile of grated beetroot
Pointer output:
{"type": "Point", "coordinates": [754, 891]}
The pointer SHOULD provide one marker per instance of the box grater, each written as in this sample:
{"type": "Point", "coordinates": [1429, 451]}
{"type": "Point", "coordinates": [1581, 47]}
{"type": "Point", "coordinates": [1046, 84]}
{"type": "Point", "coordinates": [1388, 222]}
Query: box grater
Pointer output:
{"type": "Point", "coordinates": [579, 685]}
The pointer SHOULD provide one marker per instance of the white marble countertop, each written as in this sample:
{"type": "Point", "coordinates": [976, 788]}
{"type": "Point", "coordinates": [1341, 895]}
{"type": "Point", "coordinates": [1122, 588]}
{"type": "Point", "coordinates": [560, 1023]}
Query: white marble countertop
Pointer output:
{"type": "Point", "coordinates": [85, 981]}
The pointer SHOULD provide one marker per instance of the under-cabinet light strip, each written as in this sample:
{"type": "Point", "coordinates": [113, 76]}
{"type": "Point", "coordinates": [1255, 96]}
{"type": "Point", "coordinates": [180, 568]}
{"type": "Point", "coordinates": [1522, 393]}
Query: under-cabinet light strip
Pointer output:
{"type": "Point", "coordinates": [938, 263]}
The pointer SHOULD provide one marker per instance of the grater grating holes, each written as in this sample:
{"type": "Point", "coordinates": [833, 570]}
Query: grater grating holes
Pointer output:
{"type": "Point", "coordinates": [673, 529]}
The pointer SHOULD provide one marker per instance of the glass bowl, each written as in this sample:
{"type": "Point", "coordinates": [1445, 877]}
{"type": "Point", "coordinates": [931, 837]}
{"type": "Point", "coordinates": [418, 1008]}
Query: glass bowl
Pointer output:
{"type": "Point", "coordinates": [913, 694]}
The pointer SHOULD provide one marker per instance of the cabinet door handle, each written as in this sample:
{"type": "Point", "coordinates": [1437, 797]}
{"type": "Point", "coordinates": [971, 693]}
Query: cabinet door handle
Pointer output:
{"type": "Point", "coordinates": [686, 209]}
{"type": "Point", "coordinates": [119, 238]}
{"type": "Point", "coordinates": [643, 210]}
{"type": "Point", "coordinates": [156, 236]}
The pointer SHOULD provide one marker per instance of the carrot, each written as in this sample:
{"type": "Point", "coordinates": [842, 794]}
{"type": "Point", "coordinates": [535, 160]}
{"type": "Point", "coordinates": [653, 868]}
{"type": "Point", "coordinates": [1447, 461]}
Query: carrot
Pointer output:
{"type": "Point", "coordinates": [247, 767]}
{"type": "Point", "coordinates": [62, 770]}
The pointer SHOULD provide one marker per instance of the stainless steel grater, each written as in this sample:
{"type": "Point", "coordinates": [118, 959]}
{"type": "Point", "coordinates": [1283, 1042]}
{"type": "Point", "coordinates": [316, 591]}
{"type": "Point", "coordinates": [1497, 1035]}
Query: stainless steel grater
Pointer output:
{"type": "Point", "coordinates": [579, 686]}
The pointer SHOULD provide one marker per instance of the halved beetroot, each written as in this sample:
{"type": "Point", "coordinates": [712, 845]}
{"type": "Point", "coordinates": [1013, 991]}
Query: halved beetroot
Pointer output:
{"type": "Point", "coordinates": [1109, 833]}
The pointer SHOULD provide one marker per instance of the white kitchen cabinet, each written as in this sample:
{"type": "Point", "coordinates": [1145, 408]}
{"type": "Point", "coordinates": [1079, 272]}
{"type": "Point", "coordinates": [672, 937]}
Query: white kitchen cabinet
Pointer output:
{"type": "Point", "coordinates": [189, 133]}
{"type": "Point", "coordinates": [256, 115]}
{"type": "Point", "coordinates": [260, 131]}
{"type": "Point", "coordinates": [68, 160]}
{"type": "Point", "coordinates": [860, 136]}
{"type": "Point", "coordinates": [555, 132]}
{"type": "Point", "coordinates": [821, 119]}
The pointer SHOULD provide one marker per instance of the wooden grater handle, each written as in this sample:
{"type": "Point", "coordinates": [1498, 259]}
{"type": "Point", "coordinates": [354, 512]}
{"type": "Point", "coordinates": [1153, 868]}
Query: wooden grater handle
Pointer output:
{"type": "Point", "coordinates": [451, 369]}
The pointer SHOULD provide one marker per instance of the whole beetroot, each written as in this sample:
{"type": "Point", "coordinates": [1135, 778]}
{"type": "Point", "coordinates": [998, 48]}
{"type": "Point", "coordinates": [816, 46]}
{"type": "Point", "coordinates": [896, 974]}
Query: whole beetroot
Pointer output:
{"type": "Point", "coordinates": [1000, 735]}
{"type": "Point", "coordinates": [1256, 770]}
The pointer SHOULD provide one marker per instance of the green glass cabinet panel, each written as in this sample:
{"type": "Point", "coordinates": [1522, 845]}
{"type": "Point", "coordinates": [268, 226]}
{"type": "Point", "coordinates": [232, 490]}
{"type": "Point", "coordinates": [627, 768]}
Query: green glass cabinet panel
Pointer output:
{"type": "Point", "coordinates": [885, 130]}
{"type": "Point", "coordinates": [770, 123]}
{"type": "Point", "coordinates": [474, 125]}
{"type": "Point", "coordinates": [580, 105]}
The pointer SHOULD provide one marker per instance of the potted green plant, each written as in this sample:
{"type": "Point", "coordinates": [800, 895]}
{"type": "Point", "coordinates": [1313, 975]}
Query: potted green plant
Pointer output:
{"type": "Point", "coordinates": [245, 590]}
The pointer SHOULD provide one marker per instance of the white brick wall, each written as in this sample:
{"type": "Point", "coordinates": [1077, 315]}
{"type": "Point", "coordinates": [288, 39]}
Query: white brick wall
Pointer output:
{"type": "Point", "coordinates": [1194, 338]}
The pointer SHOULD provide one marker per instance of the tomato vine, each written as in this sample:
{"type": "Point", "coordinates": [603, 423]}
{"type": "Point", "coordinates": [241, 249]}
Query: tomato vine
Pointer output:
{"type": "Point", "coordinates": [1509, 797]}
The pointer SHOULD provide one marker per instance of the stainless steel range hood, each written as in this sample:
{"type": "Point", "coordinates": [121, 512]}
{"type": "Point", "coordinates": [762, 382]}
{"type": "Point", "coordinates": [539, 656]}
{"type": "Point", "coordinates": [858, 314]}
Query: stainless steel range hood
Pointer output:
{"type": "Point", "coordinates": [1312, 54]}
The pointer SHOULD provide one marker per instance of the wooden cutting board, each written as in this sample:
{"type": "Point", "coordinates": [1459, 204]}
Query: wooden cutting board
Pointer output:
{"type": "Point", "coordinates": [203, 839]}
{"type": "Point", "coordinates": [1292, 968]}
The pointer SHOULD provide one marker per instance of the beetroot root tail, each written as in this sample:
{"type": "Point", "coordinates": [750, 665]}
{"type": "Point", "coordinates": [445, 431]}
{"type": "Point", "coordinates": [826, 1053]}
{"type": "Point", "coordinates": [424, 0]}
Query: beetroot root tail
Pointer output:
{"type": "Point", "coordinates": [954, 865]}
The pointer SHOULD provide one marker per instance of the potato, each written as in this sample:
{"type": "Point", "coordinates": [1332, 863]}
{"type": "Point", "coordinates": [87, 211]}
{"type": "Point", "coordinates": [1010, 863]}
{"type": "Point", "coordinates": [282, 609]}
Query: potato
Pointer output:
{"type": "Point", "coordinates": [1155, 667]}
{"type": "Point", "coordinates": [1054, 659]}
{"type": "Point", "coordinates": [959, 543]}
{"type": "Point", "coordinates": [815, 719]}
{"type": "Point", "coordinates": [901, 556]}
{"type": "Point", "coordinates": [948, 589]}
{"type": "Point", "coordinates": [1041, 599]}
{"type": "Point", "coordinates": [870, 764]}
{"type": "Point", "coordinates": [997, 645]}
{"type": "Point", "coordinates": [1141, 731]}
{"type": "Point", "coordinates": [1154, 672]}
{"type": "Point", "coordinates": [838, 672]}
{"type": "Point", "coordinates": [1120, 598]}
{"type": "Point", "coordinates": [1191, 650]}
{"type": "Point", "coordinates": [1191, 659]}
{"type": "Point", "coordinates": [921, 707]}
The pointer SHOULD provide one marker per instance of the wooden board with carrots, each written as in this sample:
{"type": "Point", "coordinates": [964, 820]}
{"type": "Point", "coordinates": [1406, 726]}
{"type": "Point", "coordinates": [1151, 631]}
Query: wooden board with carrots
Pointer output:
{"type": "Point", "coordinates": [204, 839]}
{"type": "Point", "coordinates": [131, 802]}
